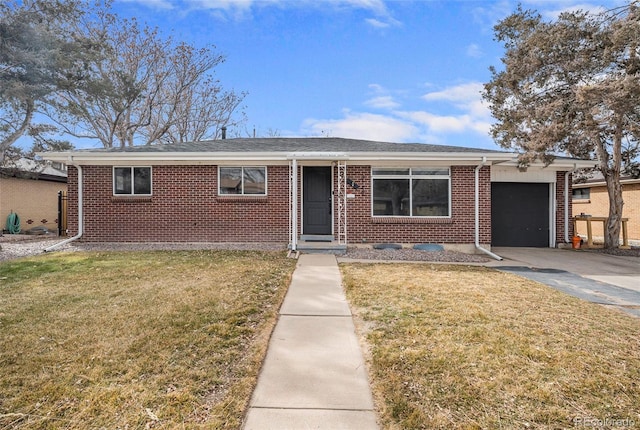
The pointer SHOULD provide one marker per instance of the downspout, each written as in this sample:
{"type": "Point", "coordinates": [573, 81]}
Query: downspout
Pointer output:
{"type": "Point", "coordinates": [477, 212]}
{"type": "Point", "coordinates": [80, 216]}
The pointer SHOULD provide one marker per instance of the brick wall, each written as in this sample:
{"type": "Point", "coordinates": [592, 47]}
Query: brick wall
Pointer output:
{"type": "Point", "coordinates": [598, 205]}
{"type": "Point", "coordinates": [34, 200]}
{"type": "Point", "coordinates": [560, 204]}
{"type": "Point", "coordinates": [184, 207]}
{"type": "Point", "coordinates": [459, 229]}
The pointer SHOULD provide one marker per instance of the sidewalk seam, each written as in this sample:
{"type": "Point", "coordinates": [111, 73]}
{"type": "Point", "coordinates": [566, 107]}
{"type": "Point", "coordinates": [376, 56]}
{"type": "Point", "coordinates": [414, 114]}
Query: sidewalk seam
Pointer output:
{"type": "Point", "coordinates": [315, 315]}
{"type": "Point", "coordinates": [284, 408]}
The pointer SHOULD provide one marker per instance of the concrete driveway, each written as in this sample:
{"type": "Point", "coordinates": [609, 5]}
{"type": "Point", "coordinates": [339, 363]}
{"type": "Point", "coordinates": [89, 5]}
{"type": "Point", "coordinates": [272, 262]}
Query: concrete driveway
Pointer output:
{"type": "Point", "coordinates": [599, 278]}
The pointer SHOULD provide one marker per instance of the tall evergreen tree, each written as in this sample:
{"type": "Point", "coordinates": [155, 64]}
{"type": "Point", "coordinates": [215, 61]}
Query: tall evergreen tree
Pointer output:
{"type": "Point", "coordinates": [571, 86]}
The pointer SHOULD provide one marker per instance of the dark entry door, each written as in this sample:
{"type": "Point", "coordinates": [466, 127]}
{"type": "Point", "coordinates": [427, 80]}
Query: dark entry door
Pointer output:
{"type": "Point", "coordinates": [316, 200]}
{"type": "Point", "coordinates": [520, 214]}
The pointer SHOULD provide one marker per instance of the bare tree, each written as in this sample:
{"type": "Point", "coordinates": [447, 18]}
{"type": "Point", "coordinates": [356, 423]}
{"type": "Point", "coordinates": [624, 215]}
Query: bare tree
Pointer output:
{"type": "Point", "coordinates": [196, 106]}
{"type": "Point", "coordinates": [571, 86]}
{"type": "Point", "coordinates": [145, 89]}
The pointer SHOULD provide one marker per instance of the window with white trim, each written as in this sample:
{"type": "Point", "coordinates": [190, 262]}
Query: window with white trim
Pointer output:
{"type": "Point", "coordinates": [132, 181]}
{"type": "Point", "coordinates": [244, 180]}
{"type": "Point", "coordinates": [411, 191]}
{"type": "Point", "coordinates": [581, 193]}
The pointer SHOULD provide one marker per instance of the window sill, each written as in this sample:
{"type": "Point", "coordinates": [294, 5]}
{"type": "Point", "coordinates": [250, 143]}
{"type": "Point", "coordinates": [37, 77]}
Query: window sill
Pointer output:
{"type": "Point", "coordinates": [581, 202]}
{"type": "Point", "coordinates": [131, 199]}
{"type": "Point", "coordinates": [410, 220]}
{"type": "Point", "coordinates": [241, 199]}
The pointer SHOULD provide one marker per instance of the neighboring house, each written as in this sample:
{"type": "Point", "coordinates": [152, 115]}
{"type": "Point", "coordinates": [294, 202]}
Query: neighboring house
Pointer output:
{"type": "Point", "coordinates": [31, 190]}
{"type": "Point", "coordinates": [289, 190]}
{"type": "Point", "coordinates": [591, 198]}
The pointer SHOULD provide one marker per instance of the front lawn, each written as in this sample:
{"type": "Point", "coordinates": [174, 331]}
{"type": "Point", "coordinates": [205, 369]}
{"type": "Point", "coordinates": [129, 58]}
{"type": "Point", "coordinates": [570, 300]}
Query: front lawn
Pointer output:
{"type": "Point", "coordinates": [455, 347]}
{"type": "Point", "coordinates": [135, 339]}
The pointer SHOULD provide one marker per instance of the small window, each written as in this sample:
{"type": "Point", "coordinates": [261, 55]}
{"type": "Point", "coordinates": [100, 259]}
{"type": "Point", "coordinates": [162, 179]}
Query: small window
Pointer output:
{"type": "Point", "coordinates": [132, 181]}
{"type": "Point", "coordinates": [581, 193]}
{"type": "Point", "coordinates": [411, 192]}
{"type": "Point", "coordinates": [242, 181]}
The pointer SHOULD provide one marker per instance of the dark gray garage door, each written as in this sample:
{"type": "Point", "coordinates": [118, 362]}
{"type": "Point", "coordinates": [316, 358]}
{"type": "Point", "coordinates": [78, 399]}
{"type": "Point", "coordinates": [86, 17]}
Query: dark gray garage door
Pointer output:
{"type": "Point", "coordinates": [519, 214]}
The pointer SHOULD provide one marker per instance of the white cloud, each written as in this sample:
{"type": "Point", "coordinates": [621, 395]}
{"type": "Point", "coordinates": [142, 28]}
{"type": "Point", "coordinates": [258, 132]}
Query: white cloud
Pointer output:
{"type": "Point", "coordinates": [376, 6]}
{"type": "Point", "coordinates": [382, 102]}
{"type": "Point", "coordinates": [459, 93]}
{"type": "Point", "coordinates": [240, 8]}
{"type": "Point", "coordinates": [377, 88]}
{"type": "Point", "coordinates": [555, 13]}
{"type": "Point", "coordinates": [373, 22]}
{"type": "Point", "coordinates": [474, 51]}
{"type": "Point", "coordinates": [155, 4]}
{"type": "Point", "coordinates": [466, 98]}
{"type": "Point", "coordinates": [454, 115]}
{"type": "Point", "coordinates": [227, 5]}
{"type": "Point", "coordinates": [360, 125]}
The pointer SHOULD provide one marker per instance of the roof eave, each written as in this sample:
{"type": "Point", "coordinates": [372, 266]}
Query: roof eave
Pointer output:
{"type": "Point", "coordinates": [109, 158]}
{"type": "Point", "coordinates": [79, 157]}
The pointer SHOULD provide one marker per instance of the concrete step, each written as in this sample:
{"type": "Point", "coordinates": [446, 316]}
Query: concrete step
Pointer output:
{"type": "Point", "coordinates": [321, 247]}
{"type": "Point", "coordinates": [316, 238]}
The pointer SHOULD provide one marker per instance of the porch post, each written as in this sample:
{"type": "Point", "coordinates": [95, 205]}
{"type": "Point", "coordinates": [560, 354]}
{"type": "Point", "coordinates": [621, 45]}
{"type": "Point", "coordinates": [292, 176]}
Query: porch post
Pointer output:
{"type": "Point", "coordinates": [293, 205]}
{"type": "Point", "coordinates": [342, 202]}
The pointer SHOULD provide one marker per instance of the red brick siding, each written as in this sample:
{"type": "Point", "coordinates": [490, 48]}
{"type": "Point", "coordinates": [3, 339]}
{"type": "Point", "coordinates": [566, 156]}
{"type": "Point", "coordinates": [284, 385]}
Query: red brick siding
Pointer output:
{"type": "Point", "coordinates": [184, 207]}
{"type": "Point", "coordinates": [560, 206]}
{"type": "Point", "coordinates": [459, 229]}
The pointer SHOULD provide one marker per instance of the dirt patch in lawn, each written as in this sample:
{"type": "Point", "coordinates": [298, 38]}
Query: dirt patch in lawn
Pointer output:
{"type": "Point", "coordinates": [461, 347]}
{"type": "Point", "coordinates": [135, 339]}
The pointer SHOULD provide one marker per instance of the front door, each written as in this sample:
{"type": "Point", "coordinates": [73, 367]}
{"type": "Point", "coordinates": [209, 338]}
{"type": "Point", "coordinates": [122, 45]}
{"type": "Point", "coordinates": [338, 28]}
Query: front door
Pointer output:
{"type": "Point", "coordinates": [316, 200]}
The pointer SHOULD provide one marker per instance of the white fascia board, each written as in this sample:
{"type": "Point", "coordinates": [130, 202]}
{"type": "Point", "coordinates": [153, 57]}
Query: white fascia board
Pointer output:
{"type": "Point", "coordinates": [104, 158]}
{"type": "Point", "coordinates": [557, 164]}
{"type": "Point", "coordinates": [318, 155]}
{"type": "Point", "coordinates": [204, 158]}
{"type": "Point", "coordinates": [469, 156]}
{"type": "Point", "coordinates": [628, 181]}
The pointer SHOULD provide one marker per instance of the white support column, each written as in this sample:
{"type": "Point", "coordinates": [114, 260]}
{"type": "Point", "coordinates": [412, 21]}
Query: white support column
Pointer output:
{"type": "Point", "coordinates": [341, 198]}
{"type": "Point", "coordinates": [293, 205]}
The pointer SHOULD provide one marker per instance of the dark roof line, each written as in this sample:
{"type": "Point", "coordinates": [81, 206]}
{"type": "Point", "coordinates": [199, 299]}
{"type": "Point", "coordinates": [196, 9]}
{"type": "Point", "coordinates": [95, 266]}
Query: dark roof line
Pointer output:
{"type": "Point", "coordinates": [292, 144]}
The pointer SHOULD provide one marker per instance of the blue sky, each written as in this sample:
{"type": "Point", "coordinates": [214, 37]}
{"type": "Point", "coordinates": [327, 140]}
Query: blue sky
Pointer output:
{"type": "Point", "coordinates": [398, 71]}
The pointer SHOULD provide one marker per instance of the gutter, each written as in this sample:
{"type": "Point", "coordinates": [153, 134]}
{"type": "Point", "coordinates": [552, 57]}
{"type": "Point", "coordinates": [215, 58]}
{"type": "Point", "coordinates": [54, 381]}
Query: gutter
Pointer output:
{"type": "Point", "coordinates": [477, 212]}
{"type": "Point", "coordinates": [80, 216]}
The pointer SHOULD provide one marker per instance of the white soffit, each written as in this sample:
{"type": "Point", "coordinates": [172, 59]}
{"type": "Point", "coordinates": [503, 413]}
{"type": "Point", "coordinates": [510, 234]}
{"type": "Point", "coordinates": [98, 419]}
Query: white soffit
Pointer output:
{"type": "Point", "coordinates": [512, 174]}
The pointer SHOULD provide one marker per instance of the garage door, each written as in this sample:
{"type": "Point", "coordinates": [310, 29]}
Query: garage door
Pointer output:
{"type": "Point", "coordinates": [519, 214]}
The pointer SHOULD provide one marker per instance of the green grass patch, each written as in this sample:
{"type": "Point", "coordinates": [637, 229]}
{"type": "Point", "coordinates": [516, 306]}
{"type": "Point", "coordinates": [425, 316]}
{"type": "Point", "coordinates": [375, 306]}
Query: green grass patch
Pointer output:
{"type": "Point", "coordinates": [135, 339]}
{"type": "Point", "coordinates": [460, 347]}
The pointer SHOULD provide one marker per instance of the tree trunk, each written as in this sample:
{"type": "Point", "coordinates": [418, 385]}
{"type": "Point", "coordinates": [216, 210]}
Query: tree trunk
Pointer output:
{"type": "Point", "coordinates": [612, 227]}
{"type": "Point", "coordinates": [614, 190]}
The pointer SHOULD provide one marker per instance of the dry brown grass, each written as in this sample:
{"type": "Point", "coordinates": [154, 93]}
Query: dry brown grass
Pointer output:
{"type": "Point", "coordinates": [135, 339]}
{"type": "Point", "coordinates": [460, 347]}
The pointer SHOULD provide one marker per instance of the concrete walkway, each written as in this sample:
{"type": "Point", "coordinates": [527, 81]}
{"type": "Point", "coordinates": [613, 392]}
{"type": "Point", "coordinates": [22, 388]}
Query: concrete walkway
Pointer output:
{"type": "Point", "coordinates": [314, 375]}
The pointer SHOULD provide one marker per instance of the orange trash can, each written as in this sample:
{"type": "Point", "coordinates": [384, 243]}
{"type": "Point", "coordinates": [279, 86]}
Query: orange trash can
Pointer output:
{"type": "Point", "coordinates": [576, 242]}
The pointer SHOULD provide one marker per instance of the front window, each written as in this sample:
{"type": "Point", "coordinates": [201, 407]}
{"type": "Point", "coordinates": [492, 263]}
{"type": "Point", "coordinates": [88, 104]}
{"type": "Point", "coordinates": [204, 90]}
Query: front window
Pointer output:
{"type": "Point", "coordinates": [243, 180]}
{"type": "Point", "coordinates": [132, 181]}
{"type": "Point", "coordinates": [581, 193]}
{"type": "Point", "coordinates": [411, 192]}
